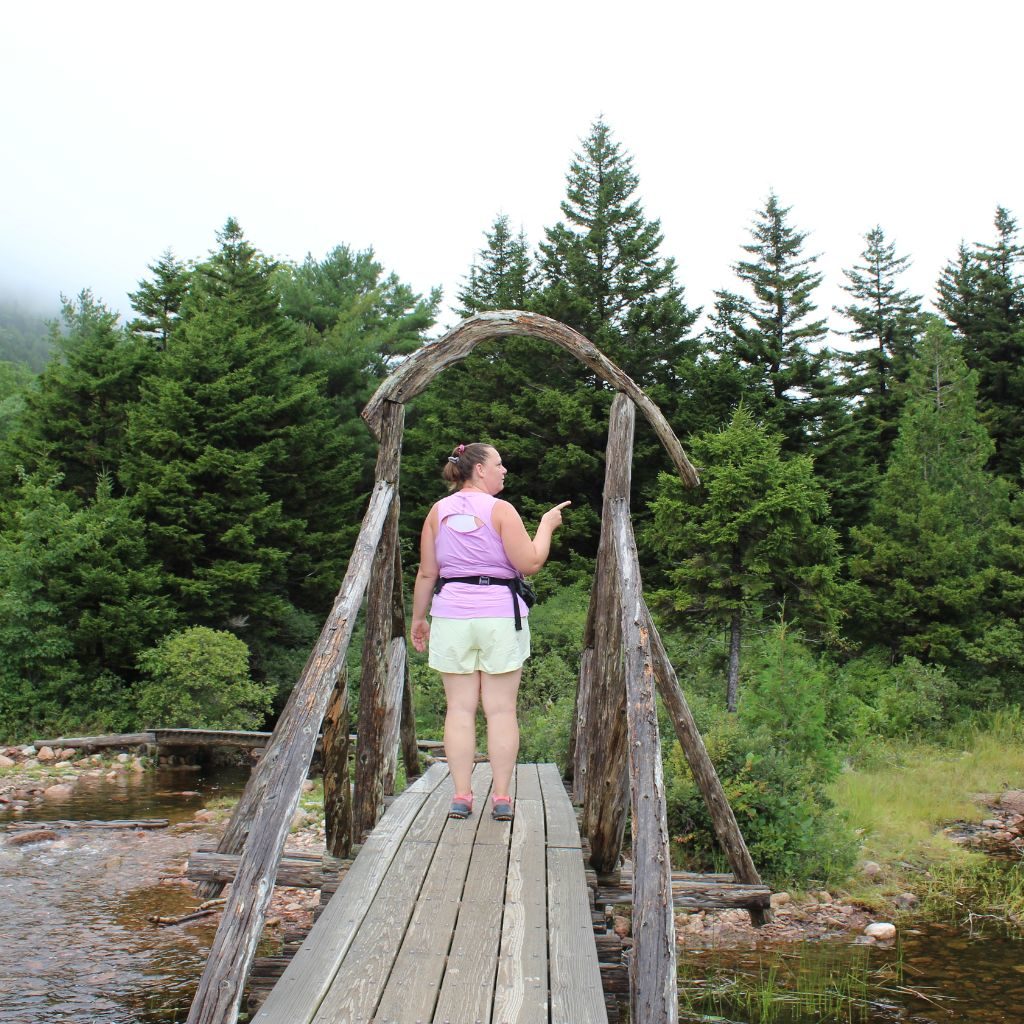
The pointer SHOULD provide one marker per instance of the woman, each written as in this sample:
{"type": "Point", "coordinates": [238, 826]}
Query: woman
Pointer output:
{"type": "Point", "coordinates": [473, 551]}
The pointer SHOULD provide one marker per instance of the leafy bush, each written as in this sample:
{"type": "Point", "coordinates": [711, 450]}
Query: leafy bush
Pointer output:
{"type": "Point", "coordinates": [793, 833]}
{"type": "Point", "coordinates": [199, 678]}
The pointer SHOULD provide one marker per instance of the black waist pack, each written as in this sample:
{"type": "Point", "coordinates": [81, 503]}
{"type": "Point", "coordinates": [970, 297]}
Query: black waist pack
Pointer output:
{"type": "Point", "coordinates": [516, 584]}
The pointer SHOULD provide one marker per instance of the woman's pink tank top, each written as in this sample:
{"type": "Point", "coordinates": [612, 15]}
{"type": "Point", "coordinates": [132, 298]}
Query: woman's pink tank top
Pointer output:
{"type": "Point", "coordinates": [478, 552]}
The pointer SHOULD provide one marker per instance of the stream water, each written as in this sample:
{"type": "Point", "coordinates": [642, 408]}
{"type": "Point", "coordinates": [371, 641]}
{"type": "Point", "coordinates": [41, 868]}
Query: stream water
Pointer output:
{"type": "Point", "coordinates": [76, 944]}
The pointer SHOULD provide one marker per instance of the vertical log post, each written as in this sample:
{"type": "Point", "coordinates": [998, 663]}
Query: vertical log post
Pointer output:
{"type": "Point", "coordinates": [410, 751]}
{"type": "Point", "coordinates": [606, 772]}
{"type": "Point", "coordinates": [723, 820]}
{"type": "Point", "coordinates": [390, 727]}
{"type": "Point", "coordinates": [287, 760]}
{"type": "Point", "coordinates": [652, 971]}
{"type": "Point", "coordinates": [374, 693]}
{"type": "Point", "coordinates": [337, 783]}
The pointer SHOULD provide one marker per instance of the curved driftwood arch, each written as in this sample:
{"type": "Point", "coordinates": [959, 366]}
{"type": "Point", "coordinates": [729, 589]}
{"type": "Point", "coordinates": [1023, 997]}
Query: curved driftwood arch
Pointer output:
{"type": "Point", "coordinates": [416, 372]}
{"type": "Point", "coordinates": [616, 755]}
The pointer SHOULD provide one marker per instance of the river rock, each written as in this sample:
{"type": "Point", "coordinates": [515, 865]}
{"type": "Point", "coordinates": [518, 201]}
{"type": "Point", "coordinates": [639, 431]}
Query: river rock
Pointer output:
{"type": "Point", "coordinates": [29, 751]}
{"type": "Point", "coordinates": [905, 900]}
{"type": "Point", "coordinates": [1013, 800]}
{"type": "Point", "coordinates": [780, 899]}
{"type": "Point", "coordinates": [824, 896]}
{"type": "Point", "coordinates": [39, 835]}
{"type": "Point", "coordinates": [122, 759]}
{"type": "Point", "coordinates": [61, 791]}
{"type": "Point", "coordinates": [881, 930]}
{"type": "Point", "coordinates": [7, 762]}
{"type": "Point", "coordinates": [870, 869]}
{"type": "Point", "coordinates": [46, 754]}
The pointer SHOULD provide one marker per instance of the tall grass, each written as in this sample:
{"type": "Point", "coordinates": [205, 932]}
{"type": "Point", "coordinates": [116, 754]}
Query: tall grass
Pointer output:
{"type": "Point", "coordinates": [901, 801]}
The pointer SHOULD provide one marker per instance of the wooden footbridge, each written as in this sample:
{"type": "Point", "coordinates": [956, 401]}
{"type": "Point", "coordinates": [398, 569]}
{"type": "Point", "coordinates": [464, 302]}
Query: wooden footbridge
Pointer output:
{"type": "Point", "coordinates": [464, 921]}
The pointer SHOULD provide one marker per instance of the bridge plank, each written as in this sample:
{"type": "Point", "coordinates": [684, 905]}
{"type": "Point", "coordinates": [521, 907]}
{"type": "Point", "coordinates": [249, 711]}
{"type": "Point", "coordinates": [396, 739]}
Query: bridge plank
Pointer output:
{"type": "Point", "coordinates": [467, 991]}
{"type": "Point", "coordinates": [521, 987]}
{"type": "Point", "coordinates": [562, 830]}
{"type": "Point", "coordinates": [576, 993]}
{"type": "Point", "coordinates": [298, 995]}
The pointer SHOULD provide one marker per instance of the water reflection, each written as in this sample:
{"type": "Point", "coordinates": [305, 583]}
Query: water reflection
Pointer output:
{"type": "Point", "coordinates": [75, 942]}
{"type": "Point", "coordinates": [935, 974]}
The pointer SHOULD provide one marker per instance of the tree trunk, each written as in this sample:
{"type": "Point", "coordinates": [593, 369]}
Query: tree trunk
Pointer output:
{"type": "Point", "coordinates": [374, 693]}
{"type": "Point", "coordinates": [605, 768]}
{"type": "Point", "coordinates": [732, 694]}
{"type": "Point", "coordinates": [337, 780]}
{"type": "Point", "coordinates": [410, 751]}
{"type": "Point", "coordinates": [653, 995]}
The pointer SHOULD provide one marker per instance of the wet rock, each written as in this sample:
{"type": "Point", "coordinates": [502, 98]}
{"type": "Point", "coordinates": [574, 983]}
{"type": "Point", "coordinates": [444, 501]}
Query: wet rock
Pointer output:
{"type": "Point", "coordinates": [779, 899]}
{"type": "Point", "coordinates": [7, 762]}
{"type": "Point", "coordinates": [61, 791]}
{"type": "Point", "coordinates": [870, 869]}
{"type": "Point", "coordinates": [38, 835]}
{"type": "Point", "coordinates": [882, 930]}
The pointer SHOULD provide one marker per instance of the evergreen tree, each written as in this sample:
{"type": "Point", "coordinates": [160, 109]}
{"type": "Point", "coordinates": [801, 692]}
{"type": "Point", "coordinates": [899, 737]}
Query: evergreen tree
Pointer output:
{"type": "Point", "coordinates": [503, 277]}
{"type": "Point", "coordinates": [75, 417]}
{"type": "Point", "coordinates": [602, 272]}
{"type": "Point", "coordinates": [232, 458]}
{"type": "Point", "coordinates": [79, 598]}
{"type": "Point", "coordinates": [981, 294]}
{"type": "Point", "coordinates": [769, 331]}
{"type": "Point", "coordinates": [158, 302]}
{"type": "Point", "coordinates": [15, 379]}
{"type": "Point", "coordinates": [856, 437]}
{"type": "Point", "coordinates": [923, 566]}
{"type": "Point", "coordinates": [751, 541]}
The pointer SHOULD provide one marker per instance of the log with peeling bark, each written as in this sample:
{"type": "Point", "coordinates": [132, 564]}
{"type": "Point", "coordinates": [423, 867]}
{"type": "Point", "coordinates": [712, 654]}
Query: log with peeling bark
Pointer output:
{"type": "Point", "coordinates": [407, 732]}
{"type": "Point", "coordinates": [376, 696]}
{"type": "Point", "coordinates": [419, 369]}
{"type": "Point", "coordinates": [129, 823]}
{"type": "Point", "coordinates": [601, 736]}
{"type": "Point", "coordinates": [652, 977]}
{"type": "Point", "coordinates": [337, 784]}
{"type": "Point", "coordinates": [698, 895]}
{"type": "Point", "coordinates": [284, 768]}
{"type": "Point", "coordinates": [301, 872]}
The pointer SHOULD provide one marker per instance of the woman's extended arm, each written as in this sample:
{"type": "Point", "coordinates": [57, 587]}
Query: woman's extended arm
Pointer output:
{"type": "Point", "coordinates": [426, 577]}
{"type": "Point", "coordinates": [526, 555]}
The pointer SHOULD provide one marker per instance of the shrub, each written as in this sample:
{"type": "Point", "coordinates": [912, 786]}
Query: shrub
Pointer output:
{"type": "Point", "coordinates": [199, 678]}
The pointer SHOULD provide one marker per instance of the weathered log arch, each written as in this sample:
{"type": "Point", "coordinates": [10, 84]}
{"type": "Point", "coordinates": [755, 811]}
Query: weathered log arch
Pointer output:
{"type": "Point", "coordinates": [416, 372]}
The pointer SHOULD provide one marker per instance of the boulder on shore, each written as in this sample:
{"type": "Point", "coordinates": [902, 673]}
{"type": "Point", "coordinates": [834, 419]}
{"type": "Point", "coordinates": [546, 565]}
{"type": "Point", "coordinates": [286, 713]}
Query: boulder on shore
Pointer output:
{"type": "Point", "coordinates": [881, 930]}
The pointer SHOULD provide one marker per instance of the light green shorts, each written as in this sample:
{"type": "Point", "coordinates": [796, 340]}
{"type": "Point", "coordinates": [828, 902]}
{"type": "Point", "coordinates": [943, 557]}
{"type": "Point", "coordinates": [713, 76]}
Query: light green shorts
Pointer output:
{"type": "Point", "coordinates": [491, 645]}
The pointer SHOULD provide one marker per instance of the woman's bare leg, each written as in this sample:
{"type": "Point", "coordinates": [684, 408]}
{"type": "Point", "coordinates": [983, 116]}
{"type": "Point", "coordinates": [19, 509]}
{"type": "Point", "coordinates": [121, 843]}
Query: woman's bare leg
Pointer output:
{"type": "Point", "coordinates": [499, 693]}
{"type": "Point", "coordinates": [463, 694]}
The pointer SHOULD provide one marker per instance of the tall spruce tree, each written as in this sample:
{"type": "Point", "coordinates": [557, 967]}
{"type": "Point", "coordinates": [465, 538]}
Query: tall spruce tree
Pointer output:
{"type": "Point", "coordinates": [232, 459]}
{"type": "Point", "coordinates": [981, 294]}
{"type": "Point", "coordinates": [502, 276]}
{"type": "Point", "coordinates": [158, 301]}
{"type": "Point", "coordinates": [886, 322]}
{"type": "Point", "coordinates": [75, 418]}
{"type": "Point", "coordinates": [750, 543]}
{"type": "Point", "coordinates": [769, 331]}
{"type": "Point", "coordinates": [603, 272]}
{"type": "Point", "coordinates": [923, 565]}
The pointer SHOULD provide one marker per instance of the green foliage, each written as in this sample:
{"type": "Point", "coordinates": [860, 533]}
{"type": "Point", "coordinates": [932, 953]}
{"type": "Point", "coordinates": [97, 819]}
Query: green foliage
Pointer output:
{"type": "Point", "coordinates": [15, 378]}
{"type": "Point", "coordinates": [78, 599]}
{"type": "Point", "coordinates": [793, 834]}
{"type": "Point", "coordinates": [981, 294]}
{"type": "Point", "coordinates": [769, 331]}
{"type": "Point", "coordinates": [922, 567]}
{"type": "Point", "coordinates": [75, 418]}
{"type": "Point", "coordinates": [198, 678]}
{"type": "Point", "coordinates": [158, 302]}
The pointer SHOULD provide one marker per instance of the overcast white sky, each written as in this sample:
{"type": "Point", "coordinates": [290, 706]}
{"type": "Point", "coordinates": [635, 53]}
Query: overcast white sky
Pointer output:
{"type": "Point", "coordinates": [128, 128]}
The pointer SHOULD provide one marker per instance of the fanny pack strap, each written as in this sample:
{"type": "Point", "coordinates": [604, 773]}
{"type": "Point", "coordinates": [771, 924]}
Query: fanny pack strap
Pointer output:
{"type": "Point", "coordinates": [486, 581]}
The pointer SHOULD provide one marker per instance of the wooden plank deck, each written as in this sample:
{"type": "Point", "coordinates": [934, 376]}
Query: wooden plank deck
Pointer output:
{"type": "Point", "coordinates": [455, 922]}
